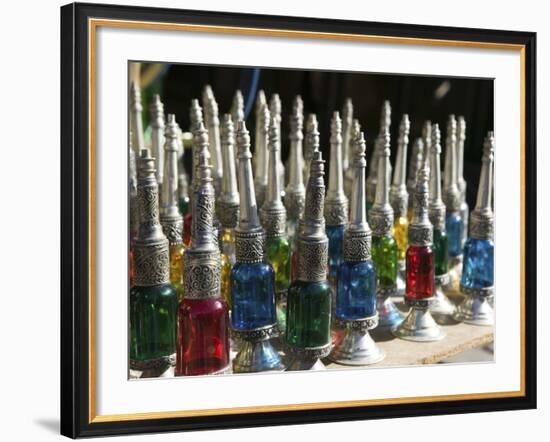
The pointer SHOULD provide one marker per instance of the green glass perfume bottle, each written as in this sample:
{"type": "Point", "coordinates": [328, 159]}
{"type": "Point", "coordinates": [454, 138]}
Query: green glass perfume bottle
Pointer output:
{"type": "Point", "coordinates": [384, 246]}
{"type": "Point", "coordinates": [273, 219]}
{"type": "Point", "coordinates": [153, 300]}
{"type": "Point", "coordinates": [308, 332]}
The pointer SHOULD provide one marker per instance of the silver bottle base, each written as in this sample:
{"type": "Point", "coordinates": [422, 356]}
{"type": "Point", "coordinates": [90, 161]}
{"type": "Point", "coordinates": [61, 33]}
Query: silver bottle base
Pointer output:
{"type": "Point", "coordinates": [356, 348]}
{"type": "Point", "coordinates": [258, 356]}
{"type": "Point", "coordinates": [419, 326]}
{"type": "Point", "coordinates": [475, 310]}
{"type": "Point", "coordinates": [389, 315]}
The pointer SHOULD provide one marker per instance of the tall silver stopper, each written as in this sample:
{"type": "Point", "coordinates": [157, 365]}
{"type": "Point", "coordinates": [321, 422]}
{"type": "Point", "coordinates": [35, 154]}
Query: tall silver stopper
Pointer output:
{"type": "Point", "coordinates": [156, 112]}
{"type": "Point", "coordinates": [450, 179]}
{"type": "Point", "coordinates": [381, 212]}
{"type": "Point", "coordinates": [136, 122]}
{"type": "Point", "coordinates": [385, 122]}
{"type": "Point", "coordinates": [213, 125]}
{"type": "Point", "coordinates": [399, 197]}
{"type": "Point", "coordinates": [336, 203]}
{"type": "Point", "coordinates": [202, 257]}
{"type": "Point", "coordinates": [347, 118]}
{"type": "Point", "coordinates": [357, 236]}
{"type": "Point", "coordinates": [273, 212]}
{"type": "Point", "coordinates": [150, 247]}
{"type": "Point", "coordinates": [436, 208]}
{"type": "Point", "coordinates": [227, 204]}
{"type": "Point", "coordinates": [132, 184]}
{"type": "Point", "coordinates": [261, 153]}
{"type": "Point", "coordinates": [481, 218]}
{"type": "Point", "coordinates": [259, 156]}
{"type": "Point", "coordinates": [196, 121]}
{"type": "Point", "coordinates": [295, 190]}
{"type": "Point", "coordinates": [414, 167]}
{"type": "Point", "coordinates": [249, 234]}
{"type": "Point", "coordinates": [462, 185]}
{"type": "Point", "coordinates": [275, 109]}
{"type": "Point", "coordinates": [311, 140]}
{"type": "Point", "coordinates": [420, 228]}
{"type": "Point", "coordinates": [312, 245]}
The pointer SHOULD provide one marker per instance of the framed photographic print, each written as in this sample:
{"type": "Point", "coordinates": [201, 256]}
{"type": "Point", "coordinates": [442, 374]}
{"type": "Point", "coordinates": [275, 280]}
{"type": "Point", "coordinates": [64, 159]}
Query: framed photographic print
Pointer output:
{"type": "Point", "coordinates": [274, 220]}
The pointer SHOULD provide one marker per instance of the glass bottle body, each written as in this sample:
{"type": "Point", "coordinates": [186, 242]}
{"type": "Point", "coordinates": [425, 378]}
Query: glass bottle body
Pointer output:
{"type": "Point", "coordinates": [400, 233]}
{"type": "Point", "coordinates": [454, 226]}
{"type": "Point", "coordinates": [227, 262]}
{"type": "Point", "coordinates": [183, 205]}
{"type": "Point", "coordinates": [308, 314]}
{"type": "Point", "coordinates": [419, 273]}
{"type": "Point", "coordinates": [187, 222]}
{"type": "Point", "coordinates": [384, 257]}
{"type": "Point", "coordinates": [356, 293]}
{"type": "Point", "coordinates": [478, 267]}
{"type": "Point", "coordinates": [176, 268]}
{"type": "Point", "coordinates": [277, 253]}
{"type": "Point", "coordinates": [335, 236]}
{"type": "Point", "coordinates": [253, 296]}
{"type": "Point", "coordinates": [441, 252]}
{"type": "Point", "coordinates": [203, 337]}
{"type": "Point", "coordinates": [152, 322]}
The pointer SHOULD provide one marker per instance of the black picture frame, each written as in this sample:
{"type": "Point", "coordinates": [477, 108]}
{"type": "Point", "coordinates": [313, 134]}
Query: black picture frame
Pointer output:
{"type": "Point", "coordinates": [75, 219]}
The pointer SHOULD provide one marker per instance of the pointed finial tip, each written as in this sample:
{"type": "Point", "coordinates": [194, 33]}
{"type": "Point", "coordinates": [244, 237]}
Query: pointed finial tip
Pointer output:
{"type": "Point", "coordinates": [171, 119]}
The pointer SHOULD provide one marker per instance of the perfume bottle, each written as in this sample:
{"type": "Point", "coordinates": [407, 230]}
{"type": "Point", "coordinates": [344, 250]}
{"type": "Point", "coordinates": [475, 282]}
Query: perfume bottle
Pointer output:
{"type": "Point", "coordinates": [308, 334]}
{"type": "Point", "coordinates": [385, 122]}
{"type": "Point", "coordinates": [347, 154]}
{"type": "Point", "coordinates": [275, 111]}
{"type": "Point", "coordinates": [212, 122]}
{"type": "Point", "coordinates": [203, 316]}
{"type": "Point", "coordinates": [462, 185]}
{"type": "Point", "coordinates": [399, 199]}
{"type": "Point", "coordinates": [227, 207]}
{"type": "Point", "coordinates": [478, 271]}
{"type": "Point", "coordinates": [261, 154]}
{"type": "Point", "coordinates": [419, 325]}
{"type": "Point", "coordinates": [295, 190]}
{"type": "Point", "coordinates": [273, 219]}
{"type": "Point", "coordinates": [336, 202]}
{"type": "Point", "coordinates": [153, 300]}
{"type": "Point", "coordinates": [414, 167]}
{"type": "Point", "coordinates": [156, 112]}
{"type": "Point", "coordinates": [441, 308]}
{"type": "Point", "coordinates": [356, 296]}
{"type": "Point", "coordinates": [384, 246]}
{"type": "Point", "coordinates": [170, 218]}
{"type": "Point", "coordinates": [253, 312]}
{"type": "Point", "coordinates": [454, 223]}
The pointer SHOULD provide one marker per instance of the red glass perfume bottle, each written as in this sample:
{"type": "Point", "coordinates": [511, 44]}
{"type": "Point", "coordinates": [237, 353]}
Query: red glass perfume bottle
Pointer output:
{"type": "Point", "coordinates": [420, 272]}
{"type": "Point", "coordinates": [203, 316]}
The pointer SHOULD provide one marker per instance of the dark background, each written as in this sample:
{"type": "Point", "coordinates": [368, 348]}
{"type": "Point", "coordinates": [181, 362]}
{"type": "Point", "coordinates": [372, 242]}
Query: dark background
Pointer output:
{"type": "Point", "coordinates": [422, 97]}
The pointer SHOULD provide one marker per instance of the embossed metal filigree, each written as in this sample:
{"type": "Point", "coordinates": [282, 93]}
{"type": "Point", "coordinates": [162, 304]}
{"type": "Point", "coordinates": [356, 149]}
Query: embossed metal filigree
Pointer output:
{"type": "Point", "coordinates": [273, 221]}
{"type": "Point", "coordinates": [386, 292]}
{"type": "Point", "coordinates": [357, 324]}
{"type": "Point", "coordinates": [478, 293]}
{"type": "Point", "coordinates": [312, 260]}
{"type": "Point", "coordinates": [249, 246]}
{"type": "Point", "coordinates": [227, 214]}
{"type": "Point", "coordinates": [381, 220]}
{"type": "Point", "coordinates": [309, 353]}
{"type": "Point", "coordinates": [336, 212]}
{"type": "Point", "coordinates": [151, 265]}
{"type": "Point", "coordinates": [172, 226]}
{"type": "Point", "coordinates": [421, 304]}
{"type": "Point", "coordinates": [357, 246]}
{"type": "Point", "coordinates": [202, 274]}
{"type": "Point", "coordinates": [257, 334]}
{"type": "Point", "coordinates": [481, 225]}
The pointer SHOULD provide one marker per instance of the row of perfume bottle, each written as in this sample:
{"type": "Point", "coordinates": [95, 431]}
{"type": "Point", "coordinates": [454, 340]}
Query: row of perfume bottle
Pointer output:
{"type": "Point", "coordinates": [273, 216]}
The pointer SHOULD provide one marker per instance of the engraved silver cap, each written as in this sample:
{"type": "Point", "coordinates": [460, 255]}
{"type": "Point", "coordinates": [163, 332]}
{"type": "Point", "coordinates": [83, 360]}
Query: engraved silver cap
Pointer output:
{"type": "Point", "coordinates": [227, 203]}
{"type": "Point", "coordinates": [196, 122]}
{"type": "Point", "coordinates": [136, 122]}
{"type": "Point", "coordinates": [273, 212]}
{"type": "Point", "coordinates": [150, 247]}
{"type": "Point", "coordinates": [311, 140]}
{"type": "Point", "coordinates": [381, 212]}
{"type": "Point", "coordinates": [295, 189]}
{"type": "Point", "coordinates": [156, 112]}
{"type": "Point", "coordinates": [450, 182]}
{"type": "Point", "coordinates": [357, 237]}
{"type": "Point", "coordinates": [420, 228]}
{"type": "Point", "coordinates": [347, 118]}
{"type": "Point", "coordinates": [312, 245]}
{"type": "Point", "coordinates": [249, 234]}
{"type": "Point", "coordinates": [436, 208]}
{"type": "Point", "coordinates": [261, 153]}
{"type": "Point", "coordinates": [399, 197]}
{"type": "Point", "coordinates": [202, 257]}
{"type": "Point", "coordinates": [481, 218]}
{"type": "Point", "coordinates": [336, 202]}
{"type": "Point", "coordinates": [212, 122]}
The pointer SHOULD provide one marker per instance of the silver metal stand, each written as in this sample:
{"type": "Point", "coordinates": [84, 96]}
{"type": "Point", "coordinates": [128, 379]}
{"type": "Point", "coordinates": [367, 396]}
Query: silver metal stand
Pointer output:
{"type": "Point", "coordinates": [476, 309]}
{"type": "Point", "coordinates": [419, 325]}
{"type": "Point", "coordinates": [256, 352]}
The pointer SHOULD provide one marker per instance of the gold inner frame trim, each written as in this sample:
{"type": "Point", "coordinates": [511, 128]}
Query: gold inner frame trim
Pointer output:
{"type": "Point", "coordinates": [93, 24]}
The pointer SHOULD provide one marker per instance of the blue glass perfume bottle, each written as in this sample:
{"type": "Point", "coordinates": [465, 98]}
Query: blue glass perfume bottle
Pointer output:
{"type": "Point", "coordinates": [336, 202]}
{"type": "Point", "coordinates": [454, 225]}
{"type": "Point", "coordinates": [253, 313]}
{"type": "Point", "coordinates": [356, 294]}
{"type": "Point", "coordinates": [478, 267]}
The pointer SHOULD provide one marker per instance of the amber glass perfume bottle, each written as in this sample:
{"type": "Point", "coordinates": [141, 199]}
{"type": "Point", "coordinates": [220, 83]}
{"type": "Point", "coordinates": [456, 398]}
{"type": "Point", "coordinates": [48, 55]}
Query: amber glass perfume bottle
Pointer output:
{"type": "Point", "coordinates": [153, 299]}
{"type": "Point", "coordinates": [308, 333]}
{"type": "Point", "coordinates": [273, 218]}
{"type": "Point", "coordinates": [203, 315]}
